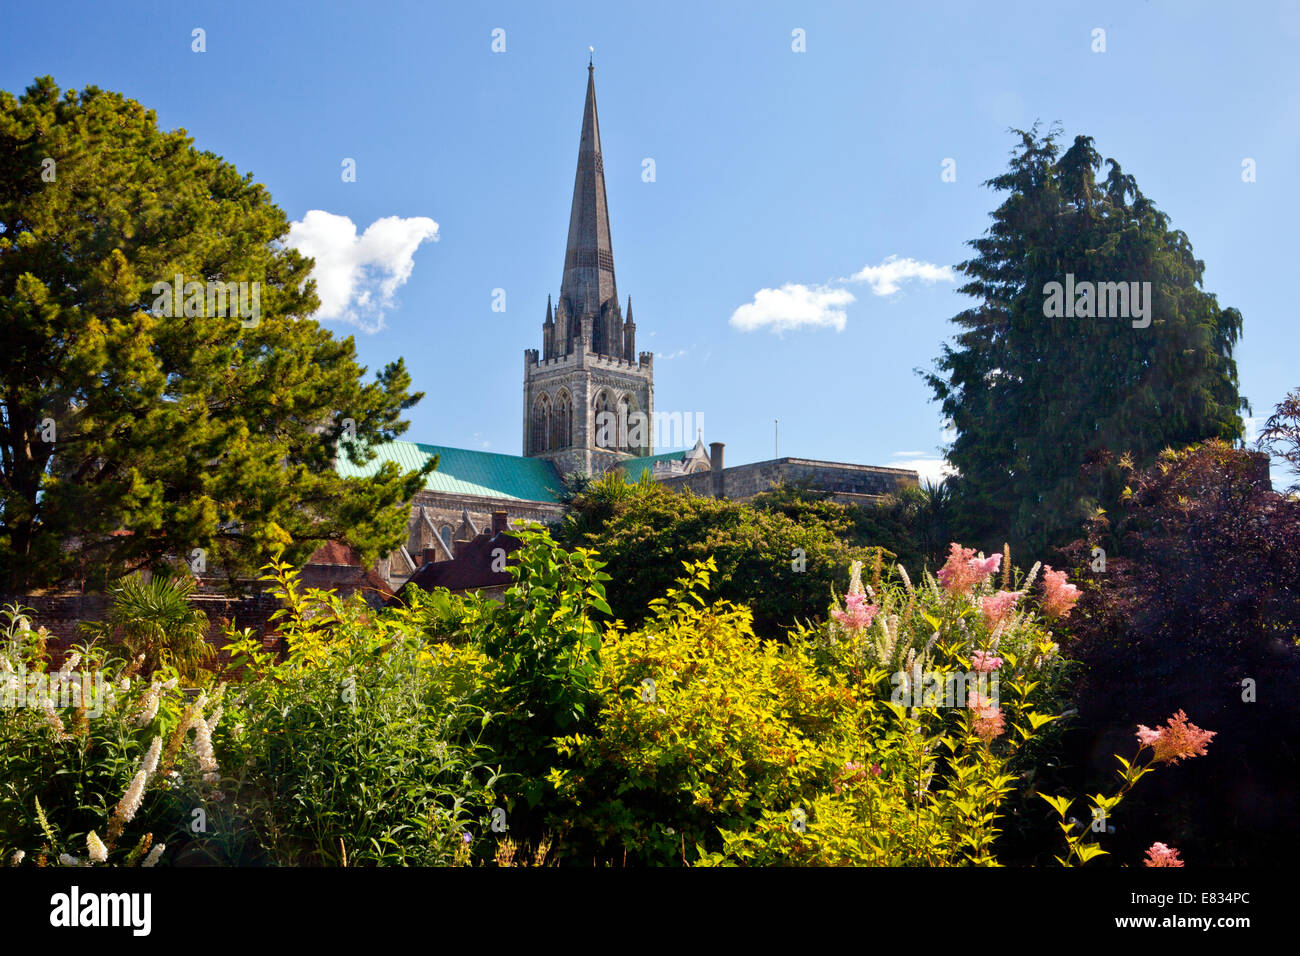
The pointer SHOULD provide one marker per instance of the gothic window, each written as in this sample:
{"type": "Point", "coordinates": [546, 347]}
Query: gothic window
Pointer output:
{"type": "Point", "coordinates": [562, 424]}
{"type": "Point", "coordinates": [623, 424]}
{"type": "Point", "coordinates": [606, 426]}
{"type": "Point", "coordinates": [541, 430]}
{"type": "Point", "coordinates": [445, 533]}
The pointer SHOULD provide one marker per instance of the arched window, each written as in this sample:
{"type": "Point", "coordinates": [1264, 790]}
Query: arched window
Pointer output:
{"type": "Point", "coordinates": [562, 426]}
{"type": "Point", "coordinates": [605, 422]}
{"type": "Point", "coordinates": [624, 405]}
{"type": "Point", "coordinates": [445, 533]}
{"type": "Point", "coordinates": [541, 430]}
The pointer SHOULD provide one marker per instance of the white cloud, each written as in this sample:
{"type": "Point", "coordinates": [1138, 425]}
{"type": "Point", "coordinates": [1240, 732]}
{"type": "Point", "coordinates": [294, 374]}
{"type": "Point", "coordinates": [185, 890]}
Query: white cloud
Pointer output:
{"type": "Point", "coordinates": [793, 306]}
{"type": "Point", "coordinates": [931, 469]}
{"type": "Point", "coordinates": [886, 278]}
{"type": "Point", "coordinates": [358, 276]}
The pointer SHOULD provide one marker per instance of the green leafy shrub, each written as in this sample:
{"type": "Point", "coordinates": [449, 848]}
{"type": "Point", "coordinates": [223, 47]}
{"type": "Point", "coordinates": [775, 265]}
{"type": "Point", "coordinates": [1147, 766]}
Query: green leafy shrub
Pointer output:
{"type": "Point", "coordinates": [778, 556]}
{"type": "Point", "coordinates": [92, 763]}
{"type": "Point", "coordinates": [361, 746]}
{"type": "Point", "coordinates": [711, 746]}
{"type": "Point", "coordinates": [542, 643]}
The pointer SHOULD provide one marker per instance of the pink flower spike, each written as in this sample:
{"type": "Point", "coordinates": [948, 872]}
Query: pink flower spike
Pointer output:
{"type": "Point", "coordinates": [984, 663]}
{"type": "Point", "coordinates": [859, 615]}
{"type": "Point", "coordinates": [996, 607]}
{"type": "Point", "coordinates": [989, 723]}
{"type": "Point", "coordinates": [1059, 597]}
{"type": "Point", "coordinates": [1179, 740]}
{"type": "Point", "coordinates": [1161, 855]}
{"type": "Point", "coordinates": [957, 576]}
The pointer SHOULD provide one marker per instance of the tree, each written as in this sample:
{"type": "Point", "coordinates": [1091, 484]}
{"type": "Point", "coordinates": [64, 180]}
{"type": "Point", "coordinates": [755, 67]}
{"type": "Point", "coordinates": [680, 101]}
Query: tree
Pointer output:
{"type": "Point", "coordinates": [1041, 382]}
{"type": "Point", "coordinates": [780, 554]}
{"type": "Point", "coordinates": [1198, 607]}
{"type": "Point", "coordinates": [131, 430]}
{"type": "Point", "coordinates": [155, 619]}
{"type": "Point", "coordinates": [914, 523]}
{"type": "Point", "coordinates": [1281, 434]}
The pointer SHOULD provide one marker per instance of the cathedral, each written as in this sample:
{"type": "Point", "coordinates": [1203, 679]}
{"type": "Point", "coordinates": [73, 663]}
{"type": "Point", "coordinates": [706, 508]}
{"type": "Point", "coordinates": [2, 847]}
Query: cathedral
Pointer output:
{"type": "Point", "coordinates": [588, 407]}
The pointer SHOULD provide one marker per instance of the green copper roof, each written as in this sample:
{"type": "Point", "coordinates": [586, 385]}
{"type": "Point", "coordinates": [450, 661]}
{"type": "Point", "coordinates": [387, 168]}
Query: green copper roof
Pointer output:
{"type": "Point", "coordinates": [633, 467]}
{"type": "Point", "coordinates": [464, 472]}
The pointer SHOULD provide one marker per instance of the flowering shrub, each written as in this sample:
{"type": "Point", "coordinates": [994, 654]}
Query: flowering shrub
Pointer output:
{"type": "Point", "coordinates": [85, 776]}
{"type": "Point", "coordinates": [935, 639]}
{"type": "Point", "coordinates": [1178, 740]}
{"type": "Point", "coordinates": [904, 731]}
{"type": "Point", "coordinates": [1197, 606]}
{"type": "Point", "coordinates": [712, 747]}
{"type": "Point", "coordinates": [358, 748]}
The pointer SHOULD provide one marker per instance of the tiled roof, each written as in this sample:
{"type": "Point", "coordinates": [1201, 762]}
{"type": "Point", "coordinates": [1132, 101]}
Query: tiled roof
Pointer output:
{"type": "Point", "coordinates": [469, 570]}
{"type": "Point", "coordinates": [633, 467]}
{"type": "Point", "coordinates": [461, 471]}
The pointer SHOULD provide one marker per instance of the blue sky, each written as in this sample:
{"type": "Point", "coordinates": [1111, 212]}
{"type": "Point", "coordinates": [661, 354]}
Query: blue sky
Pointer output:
{"type": "Point", "coordinates": [774, 170]}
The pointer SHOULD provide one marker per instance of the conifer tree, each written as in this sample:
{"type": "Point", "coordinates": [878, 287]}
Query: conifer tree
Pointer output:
{"type": "Point", "coordinates": [131, 433]}
{"type": "Point", "coordinates": [1046, 393]}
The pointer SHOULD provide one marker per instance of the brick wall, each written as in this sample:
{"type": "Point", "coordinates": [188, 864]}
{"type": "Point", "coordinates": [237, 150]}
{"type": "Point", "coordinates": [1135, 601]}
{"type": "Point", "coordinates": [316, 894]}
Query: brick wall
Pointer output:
{"type": "Point", "coordinates": [61, 612]}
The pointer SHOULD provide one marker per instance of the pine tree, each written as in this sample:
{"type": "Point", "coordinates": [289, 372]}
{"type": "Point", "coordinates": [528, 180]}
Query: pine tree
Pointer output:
{"type": "Point", "coordinates": [129, 436]}
{"type": "Point", "coordinates": [1046, 404]}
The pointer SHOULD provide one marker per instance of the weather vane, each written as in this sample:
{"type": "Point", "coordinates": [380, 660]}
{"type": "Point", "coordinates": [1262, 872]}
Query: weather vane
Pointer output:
{"type": "Point", "coordinates": [591, 53]}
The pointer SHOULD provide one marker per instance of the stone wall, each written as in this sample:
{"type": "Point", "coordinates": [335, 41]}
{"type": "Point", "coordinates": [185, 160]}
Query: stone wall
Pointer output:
{"type": "Point", "coordinates": [846, 482]}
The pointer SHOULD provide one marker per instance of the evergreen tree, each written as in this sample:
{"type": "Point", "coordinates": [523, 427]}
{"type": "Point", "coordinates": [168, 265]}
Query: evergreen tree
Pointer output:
{"type": "Point", "coordinates": [1046, 394]}
{"type": "Point", "coordinates": [131, 432]}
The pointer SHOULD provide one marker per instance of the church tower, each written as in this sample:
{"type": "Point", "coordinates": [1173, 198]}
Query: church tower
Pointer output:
{"type": "Point", "coordinates": [589, 395]}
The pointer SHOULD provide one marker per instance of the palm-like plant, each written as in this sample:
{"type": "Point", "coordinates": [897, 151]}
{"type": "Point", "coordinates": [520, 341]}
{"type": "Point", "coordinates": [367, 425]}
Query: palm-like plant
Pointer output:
{"type": "Point", "coordinates": [155, 618]}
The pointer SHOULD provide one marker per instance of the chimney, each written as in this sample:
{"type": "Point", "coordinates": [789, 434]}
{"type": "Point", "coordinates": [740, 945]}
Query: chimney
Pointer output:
{"type": "Point", "coordinates": [458, 547]}
{"type": "Point", "coordinates": [715, 468]}
{"type": "Point", "coordinates": [430, 556]}
{"type": "Point", "coordinates": [498, 522]}
{"type": "Point", "coordinates": [1259, 466]}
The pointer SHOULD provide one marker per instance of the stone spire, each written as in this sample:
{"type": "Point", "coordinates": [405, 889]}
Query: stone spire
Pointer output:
{"type": "Point", "coordinates": [588, 294]}
{"type": "Point", "coordinates": [629, 334]}
{"type": "Point", "coordinates": [548, 333]}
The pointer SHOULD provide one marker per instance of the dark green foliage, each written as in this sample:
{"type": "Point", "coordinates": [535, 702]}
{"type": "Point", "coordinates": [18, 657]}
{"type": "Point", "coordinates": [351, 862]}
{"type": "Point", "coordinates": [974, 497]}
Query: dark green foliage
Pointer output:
{"type": "Point", "coordinates": [1034, 399]}
{"type": "Point", "coordinates": [185, 433]}
{"type": "Point", "coordinates": [916, 524]}
{"type": "Point", "coordinates": [780, 554]}
{"type": "Point", "coordinates": [543, 641]}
